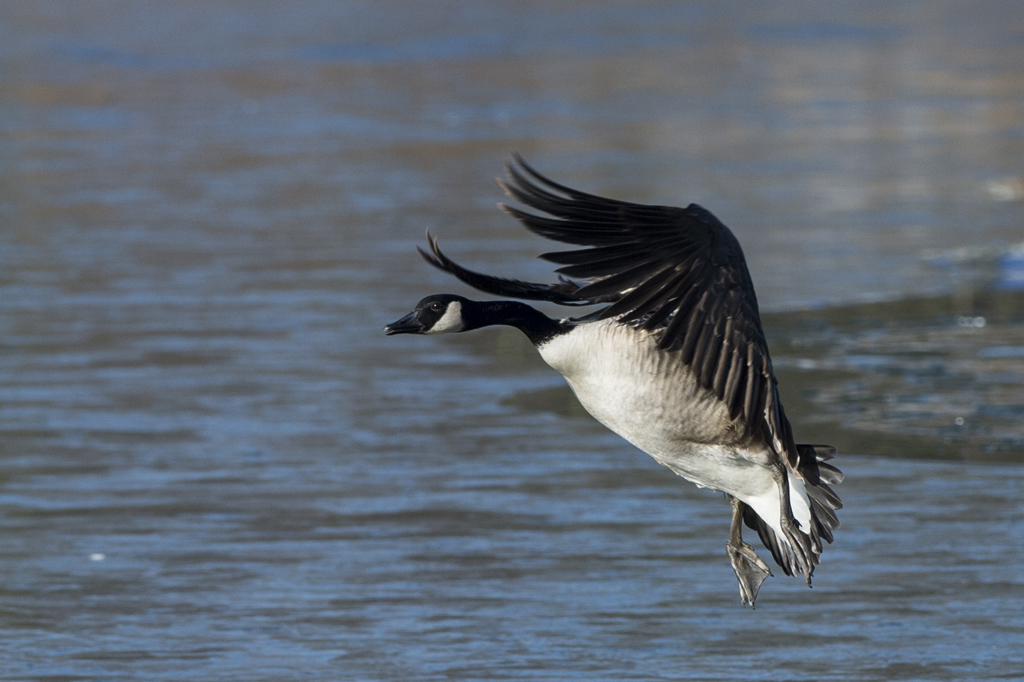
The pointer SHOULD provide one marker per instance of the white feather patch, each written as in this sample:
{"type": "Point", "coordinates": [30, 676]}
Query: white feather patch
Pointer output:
{"type": "Point", "coordinates": [450, 322]}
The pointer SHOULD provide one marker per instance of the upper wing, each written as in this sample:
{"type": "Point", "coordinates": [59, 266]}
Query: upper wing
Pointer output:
{"type": "Point", "coordinates": [678, 272]}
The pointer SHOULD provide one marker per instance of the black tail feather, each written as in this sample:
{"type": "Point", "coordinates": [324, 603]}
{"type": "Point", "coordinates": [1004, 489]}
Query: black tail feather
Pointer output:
{"type": "Point", "coordinates": [824, 503]}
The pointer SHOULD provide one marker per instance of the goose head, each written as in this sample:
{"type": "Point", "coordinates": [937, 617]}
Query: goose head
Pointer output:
{"type": "Point", "coordinates": [437, 314]}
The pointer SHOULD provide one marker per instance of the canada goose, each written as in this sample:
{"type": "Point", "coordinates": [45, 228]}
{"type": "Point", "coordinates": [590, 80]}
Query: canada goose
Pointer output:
{"type": "Point", "coordinates": [676, 363]}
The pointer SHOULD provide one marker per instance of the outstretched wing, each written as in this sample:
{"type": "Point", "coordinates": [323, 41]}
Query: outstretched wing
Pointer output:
{"type": "Point", "coordinates": [562, 292]}
{"type": "Point", "coordinates": [677, 272]}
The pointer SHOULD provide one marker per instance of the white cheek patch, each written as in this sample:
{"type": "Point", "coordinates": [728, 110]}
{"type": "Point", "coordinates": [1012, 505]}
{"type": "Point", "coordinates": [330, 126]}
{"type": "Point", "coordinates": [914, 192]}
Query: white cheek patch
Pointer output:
{"type": "Point", "coordinates": [450, 322]}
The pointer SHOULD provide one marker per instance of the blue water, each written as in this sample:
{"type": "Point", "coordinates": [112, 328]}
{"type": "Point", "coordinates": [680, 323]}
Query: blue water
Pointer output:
{"type": "Point", "coordinates": [213, 465]}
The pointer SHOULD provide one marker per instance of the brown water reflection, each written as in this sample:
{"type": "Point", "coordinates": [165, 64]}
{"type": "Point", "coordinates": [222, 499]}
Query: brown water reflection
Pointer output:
{"type": "Point", "coordinates": [929, 377]}
{"type": "Point", "coordinates": [214, 466]}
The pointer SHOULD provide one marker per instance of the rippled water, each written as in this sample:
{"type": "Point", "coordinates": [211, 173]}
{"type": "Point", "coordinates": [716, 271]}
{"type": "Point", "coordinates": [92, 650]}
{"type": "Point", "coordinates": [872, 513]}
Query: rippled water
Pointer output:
{"type": "Point", "coordinates": [214, 466]}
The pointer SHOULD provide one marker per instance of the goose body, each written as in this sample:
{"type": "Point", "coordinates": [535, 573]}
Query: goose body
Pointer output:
{"type": "Point", "coordinates": [676, 362]}
{"type": "Point", "coordinates": [667, 414]}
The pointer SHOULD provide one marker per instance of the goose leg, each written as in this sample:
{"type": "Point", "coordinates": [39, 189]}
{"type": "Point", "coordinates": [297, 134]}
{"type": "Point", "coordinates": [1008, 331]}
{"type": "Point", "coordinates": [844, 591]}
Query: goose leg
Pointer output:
{"type": "Point", "coordinates": [799, 542]}
{"type": "Point", "coordinates": [750, 570]}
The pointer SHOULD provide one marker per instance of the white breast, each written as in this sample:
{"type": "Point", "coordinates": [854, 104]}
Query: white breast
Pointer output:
{"type": "Point", "coordinates": [637, 390]}
{"type": "Point", "coordinates": [652, 400]}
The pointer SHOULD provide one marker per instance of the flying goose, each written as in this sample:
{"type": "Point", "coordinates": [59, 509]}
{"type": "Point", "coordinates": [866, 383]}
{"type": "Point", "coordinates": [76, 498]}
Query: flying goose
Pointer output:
{"type": "Point", "coordinates": [676, 362]}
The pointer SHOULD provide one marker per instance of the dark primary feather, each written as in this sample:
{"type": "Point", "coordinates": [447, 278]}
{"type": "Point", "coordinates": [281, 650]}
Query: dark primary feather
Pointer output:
{"type": "Point", "coordinates": [563, 292]}
{"type": "Point", "coordinates": [677, 272]}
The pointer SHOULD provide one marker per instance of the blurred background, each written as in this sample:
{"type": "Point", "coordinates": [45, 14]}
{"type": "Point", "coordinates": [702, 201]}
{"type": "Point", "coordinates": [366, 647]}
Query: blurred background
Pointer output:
{"type": "Point", "coordinates": [213, 465]}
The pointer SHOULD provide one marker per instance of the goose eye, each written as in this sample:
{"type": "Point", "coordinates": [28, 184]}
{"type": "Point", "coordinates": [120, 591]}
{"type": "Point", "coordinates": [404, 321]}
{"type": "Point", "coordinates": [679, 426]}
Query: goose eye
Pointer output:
{"type": "Point", "coordinates": [436, 307]}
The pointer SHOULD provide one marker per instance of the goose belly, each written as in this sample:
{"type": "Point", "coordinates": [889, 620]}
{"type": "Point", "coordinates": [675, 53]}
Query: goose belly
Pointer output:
{"type": "Point", "coordinates": [654, 402]}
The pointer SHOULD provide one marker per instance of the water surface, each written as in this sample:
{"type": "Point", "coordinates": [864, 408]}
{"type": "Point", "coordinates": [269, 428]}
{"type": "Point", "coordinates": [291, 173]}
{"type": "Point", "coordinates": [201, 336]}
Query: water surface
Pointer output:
{"type": "Point", "coordinates": [215, 466]}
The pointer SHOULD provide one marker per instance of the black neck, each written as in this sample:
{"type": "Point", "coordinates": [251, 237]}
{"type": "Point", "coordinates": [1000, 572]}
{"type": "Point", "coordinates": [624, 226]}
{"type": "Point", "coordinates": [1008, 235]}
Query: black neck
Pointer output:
{"type": "Point", "coordinates": [537, 326]}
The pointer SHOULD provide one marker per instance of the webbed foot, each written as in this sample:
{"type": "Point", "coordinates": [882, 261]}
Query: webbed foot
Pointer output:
{"type": "Point", "coordinates": [750, 570]}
